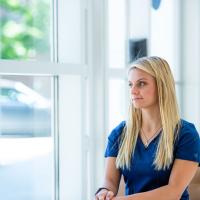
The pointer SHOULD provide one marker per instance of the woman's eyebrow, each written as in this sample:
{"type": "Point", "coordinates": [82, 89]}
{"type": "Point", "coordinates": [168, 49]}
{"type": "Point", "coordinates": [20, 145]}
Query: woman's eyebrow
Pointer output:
{"type": "Point", "coordinates": [140, 79]}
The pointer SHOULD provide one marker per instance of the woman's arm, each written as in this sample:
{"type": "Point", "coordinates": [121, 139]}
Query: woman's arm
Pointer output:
{"type": "Point", "coordinates": [111, 179]}
{"type": "Point", "coordinates": [181, 175]}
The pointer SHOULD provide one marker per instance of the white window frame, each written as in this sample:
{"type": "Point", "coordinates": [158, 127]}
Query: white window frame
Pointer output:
{"type": "Point", "coordinates": [55, 69]}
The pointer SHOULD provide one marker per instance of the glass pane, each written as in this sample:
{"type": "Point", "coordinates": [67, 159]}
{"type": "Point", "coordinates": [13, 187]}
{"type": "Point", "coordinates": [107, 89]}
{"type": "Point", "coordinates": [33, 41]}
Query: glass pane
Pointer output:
{"type": "Point", "coordinates": [26, 141]}
{"type": "Point", "coordinates": [24, 29]}
{"type": "Point", "coordinates": [116, 33]}
{"type": "Point", "coordinates": [70, 134]}
{"type": "Point", "coordinates": [71, 32]}
{"type": "Point", "coordinates": [116, 102]}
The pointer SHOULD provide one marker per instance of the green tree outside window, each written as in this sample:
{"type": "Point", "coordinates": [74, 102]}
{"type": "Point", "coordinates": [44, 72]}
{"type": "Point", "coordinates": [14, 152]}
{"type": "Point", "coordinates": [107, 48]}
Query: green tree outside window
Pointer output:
{"type": "Point", "coordinates": [24, 29]}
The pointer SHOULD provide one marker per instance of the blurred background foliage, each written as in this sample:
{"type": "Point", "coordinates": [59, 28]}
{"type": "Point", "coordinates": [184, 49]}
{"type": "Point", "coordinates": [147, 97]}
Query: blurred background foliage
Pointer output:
{"type": "Point", "coordinates": [24, 29]}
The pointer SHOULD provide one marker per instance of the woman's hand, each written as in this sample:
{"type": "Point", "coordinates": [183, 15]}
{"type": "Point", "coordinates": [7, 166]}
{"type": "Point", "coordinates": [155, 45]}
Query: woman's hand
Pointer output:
{"type": "Point", "coordinates": [104, 195]}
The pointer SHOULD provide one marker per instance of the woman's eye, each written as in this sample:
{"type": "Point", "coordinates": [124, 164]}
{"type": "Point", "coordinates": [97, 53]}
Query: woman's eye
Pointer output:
{"type": "Point", "coordinates": [141, 84]}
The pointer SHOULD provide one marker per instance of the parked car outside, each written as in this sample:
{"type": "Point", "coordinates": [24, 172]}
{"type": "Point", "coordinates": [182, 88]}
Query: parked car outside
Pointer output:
{"type": "Point", "coordinates": [23, 111]}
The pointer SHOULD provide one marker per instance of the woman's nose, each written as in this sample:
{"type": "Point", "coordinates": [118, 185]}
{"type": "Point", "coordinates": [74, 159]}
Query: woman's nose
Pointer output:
{"type": "Point", "coordinates": [134, 90]}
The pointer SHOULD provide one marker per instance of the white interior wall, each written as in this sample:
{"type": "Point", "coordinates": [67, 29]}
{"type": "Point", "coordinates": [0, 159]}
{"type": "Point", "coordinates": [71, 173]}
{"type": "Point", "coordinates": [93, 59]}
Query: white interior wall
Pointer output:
{"type": "Point", "coordinates": [190, 60]}
{"type": "Point", "coordinates": [139, 18]}
{"type": "Point", "coordinates": [164, 33]}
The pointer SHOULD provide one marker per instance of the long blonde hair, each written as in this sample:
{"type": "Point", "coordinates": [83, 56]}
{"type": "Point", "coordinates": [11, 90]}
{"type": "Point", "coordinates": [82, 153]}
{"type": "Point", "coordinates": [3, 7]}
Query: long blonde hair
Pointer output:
{"type": "Point", "coordinates": [169, 113]}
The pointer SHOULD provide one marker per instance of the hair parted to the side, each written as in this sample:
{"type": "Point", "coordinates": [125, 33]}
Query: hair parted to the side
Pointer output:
{"type": "Point", "coordinates": [169, 112]}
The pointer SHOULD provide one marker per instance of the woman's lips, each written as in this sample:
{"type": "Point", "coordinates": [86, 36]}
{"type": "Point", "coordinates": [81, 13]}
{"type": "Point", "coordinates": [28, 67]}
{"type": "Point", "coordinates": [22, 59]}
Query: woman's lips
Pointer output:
{"type": "Point", "coordinates": [137, 98]}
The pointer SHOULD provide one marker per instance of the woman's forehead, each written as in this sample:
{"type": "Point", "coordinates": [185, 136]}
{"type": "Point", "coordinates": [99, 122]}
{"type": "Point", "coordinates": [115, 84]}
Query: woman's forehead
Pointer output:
{"type": "Point", "coordinates": [136, 74]}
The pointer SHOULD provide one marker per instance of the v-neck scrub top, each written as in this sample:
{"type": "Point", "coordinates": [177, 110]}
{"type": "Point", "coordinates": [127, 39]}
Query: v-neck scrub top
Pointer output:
{"type": "Point", "coordinates": [142, 175]}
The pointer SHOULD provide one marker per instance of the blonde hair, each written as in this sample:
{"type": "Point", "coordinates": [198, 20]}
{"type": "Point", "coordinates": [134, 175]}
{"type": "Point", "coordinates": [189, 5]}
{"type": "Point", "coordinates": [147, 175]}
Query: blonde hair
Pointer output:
{"type": "Point", "coordinates": [169, 113]}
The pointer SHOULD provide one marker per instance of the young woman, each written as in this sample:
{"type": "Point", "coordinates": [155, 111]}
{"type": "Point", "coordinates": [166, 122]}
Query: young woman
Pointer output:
{"type": "Point", "coordinates": [155, 151]}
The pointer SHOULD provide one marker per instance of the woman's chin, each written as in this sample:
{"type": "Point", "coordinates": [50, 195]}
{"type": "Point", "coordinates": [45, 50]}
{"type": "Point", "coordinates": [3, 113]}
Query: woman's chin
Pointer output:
{"type": "Point", "coordinates": [136, 105]}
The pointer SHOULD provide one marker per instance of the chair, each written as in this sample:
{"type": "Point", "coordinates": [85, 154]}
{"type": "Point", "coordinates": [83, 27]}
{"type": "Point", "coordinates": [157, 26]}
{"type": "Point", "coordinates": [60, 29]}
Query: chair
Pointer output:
{"type": "Point", "coordinates": [194, 187]}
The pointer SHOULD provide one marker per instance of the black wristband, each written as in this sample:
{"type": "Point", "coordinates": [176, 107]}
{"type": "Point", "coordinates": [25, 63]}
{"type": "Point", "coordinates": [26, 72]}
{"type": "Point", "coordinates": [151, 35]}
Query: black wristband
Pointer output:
{"type": "Point", "coordinates": [101, 188]}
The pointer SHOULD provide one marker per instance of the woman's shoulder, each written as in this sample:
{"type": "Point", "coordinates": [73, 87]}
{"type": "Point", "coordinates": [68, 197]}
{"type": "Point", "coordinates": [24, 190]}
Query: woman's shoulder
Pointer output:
{"type": "Point", "coordinates": [117, 131]}
{"type": "Point", "coordinates": [187, 130]}
{"type": "Point", "coordinates": [187, 145]}
{"type": "Point", "coordinates": [120, 126]}
{"type": "Point", "coordinates": [187, 126]}
{"type": "Point", "coordinates": [114, 140]}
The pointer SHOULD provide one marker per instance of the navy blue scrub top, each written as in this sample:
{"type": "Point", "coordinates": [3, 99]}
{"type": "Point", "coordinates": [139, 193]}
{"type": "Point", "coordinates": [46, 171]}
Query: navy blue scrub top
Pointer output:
{"type": "Point", "coordinates": [142, 176]}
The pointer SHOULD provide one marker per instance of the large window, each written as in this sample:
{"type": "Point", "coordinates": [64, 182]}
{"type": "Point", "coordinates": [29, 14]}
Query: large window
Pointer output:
{"type": "Point", "coordinates": [41, 100]}
{"type": "Point", "coordinates": [27, 151]}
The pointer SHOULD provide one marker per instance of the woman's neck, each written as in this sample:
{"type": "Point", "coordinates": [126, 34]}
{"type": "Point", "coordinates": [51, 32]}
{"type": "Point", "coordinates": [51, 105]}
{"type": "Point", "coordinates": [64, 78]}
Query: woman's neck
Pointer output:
{"type": "Point", "coordinates": [151, 120]}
